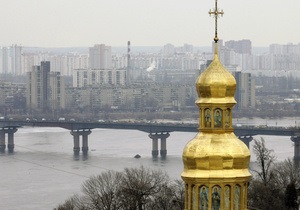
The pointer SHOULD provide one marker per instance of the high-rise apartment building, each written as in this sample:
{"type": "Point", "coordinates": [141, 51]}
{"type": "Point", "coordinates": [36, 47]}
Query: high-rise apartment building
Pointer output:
{"type": "Point", "coordinates": [44, 83]}
{"type": "Point", "coordinates": [15, 54]}
{"type": "Point", "coordinates": [11, 60]}
{"type": "Point", "coordinates": [5, 67]}
{"type": "Point", "coordinates": [45, 89]}
{"type": "Point", "coordinates": [56, 97]}
{"type": "Point", "coordinates": [100, 57]}
{"type": "Point", "coordinates": [245, 90]}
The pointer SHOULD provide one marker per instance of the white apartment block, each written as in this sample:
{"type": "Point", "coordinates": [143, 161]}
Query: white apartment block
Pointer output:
{"type": "Point", "coordinates": [15, 53]}
{"type": "Point", "coordinates": [96, 77]}
{"type": "Point", "coordinates": [119, 61]}
{"type": "Point", "coordinates": [11, 60]}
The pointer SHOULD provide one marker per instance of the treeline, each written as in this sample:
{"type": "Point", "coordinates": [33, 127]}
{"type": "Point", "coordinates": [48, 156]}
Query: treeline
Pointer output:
{"type": "Point", "coordinates": [274, 185]}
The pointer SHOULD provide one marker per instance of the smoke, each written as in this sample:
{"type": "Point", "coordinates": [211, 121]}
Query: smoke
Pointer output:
{"type": "Point", "coordinates": [151, 67]}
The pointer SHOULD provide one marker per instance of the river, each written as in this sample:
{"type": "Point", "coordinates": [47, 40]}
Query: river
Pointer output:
{"type": "Point", "coordinates": [42, 172]}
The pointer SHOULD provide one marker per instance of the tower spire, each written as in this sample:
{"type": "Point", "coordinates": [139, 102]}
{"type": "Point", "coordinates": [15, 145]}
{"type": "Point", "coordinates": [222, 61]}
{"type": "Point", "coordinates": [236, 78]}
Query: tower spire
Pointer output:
{"type": "Point", "coordinates": [216, 14]}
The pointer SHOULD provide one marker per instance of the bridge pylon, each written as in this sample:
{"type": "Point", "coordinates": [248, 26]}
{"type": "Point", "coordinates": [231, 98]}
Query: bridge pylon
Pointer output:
{"type": "Point", "coordinates": [10, 142]}
{"type": "Point", "coordinates": [246, 140]}
{"type": "Point", "coordinates": [163, 143]}
{"type": "Point", "coordinates": [296, 140]}
{"type": "Point", "coordinates": [2, 140]}
{"type": "Point", "coordinates": [76, 135]}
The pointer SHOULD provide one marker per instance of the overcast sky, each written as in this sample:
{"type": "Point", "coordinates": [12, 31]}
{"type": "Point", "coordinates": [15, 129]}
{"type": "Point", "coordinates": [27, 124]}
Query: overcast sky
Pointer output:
{"type": "Point", "coordinates": [73, 23]}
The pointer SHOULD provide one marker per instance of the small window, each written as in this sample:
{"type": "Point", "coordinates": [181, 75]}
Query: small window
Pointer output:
{"type": "Point", "coordinates": [207, 116]}
{"type": "Point", "coordinates": [218, 118]}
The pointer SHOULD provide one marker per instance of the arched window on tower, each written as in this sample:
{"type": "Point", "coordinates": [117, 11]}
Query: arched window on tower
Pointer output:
{"type": "Point", "coordinates": [237, 197]}
{"type": "Point", "coordinates": [218, 118]}
{"type": "Point", "coordinates": [216, 198]}
{"type": "Point", "coordinates": [203, 198]}
{"type": "Point", "coordinates": [227, 197]}
{"type": "Point", "coordinates": [207, 116]}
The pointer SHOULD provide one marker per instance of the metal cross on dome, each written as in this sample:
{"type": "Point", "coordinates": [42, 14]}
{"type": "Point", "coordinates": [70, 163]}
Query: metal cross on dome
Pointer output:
{"type": "Point", "coordinates": [216, 12]}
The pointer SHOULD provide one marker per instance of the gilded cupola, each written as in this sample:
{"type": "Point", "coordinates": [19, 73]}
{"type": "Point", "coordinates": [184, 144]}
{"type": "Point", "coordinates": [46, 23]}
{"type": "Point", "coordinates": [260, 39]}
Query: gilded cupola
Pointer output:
{"type": "Point", "coordinates": [215, 161]}
{"type": "Point", "coordinates": [216, 84]}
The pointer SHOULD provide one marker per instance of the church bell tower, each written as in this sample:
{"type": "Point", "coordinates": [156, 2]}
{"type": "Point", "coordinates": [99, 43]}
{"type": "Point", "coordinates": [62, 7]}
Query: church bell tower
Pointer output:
{"type": "Point", "coordinates": [215, 161]}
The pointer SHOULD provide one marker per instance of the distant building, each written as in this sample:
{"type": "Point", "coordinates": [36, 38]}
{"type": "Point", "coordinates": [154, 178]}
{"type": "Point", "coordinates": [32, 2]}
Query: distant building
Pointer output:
{"type": "Point", "coordinates": [96, 77]}
{"type": "Point", "coordinates": [141, 97]}
{"type": "Point", "coordinates": [245, 90]}
{"type": "Point", "coordinates": [5, 61]}
{"type": "Point", "coordinates": [242, 46]}
{"type": "Point", "coordinates": [103, 69]}
{"type": "Point", "coordinates": [11, 60]}
{"type": "Point", "coordinates": [56, 99]}
{"type": "Point", "coordinates": [12, 98]}
{"type": "Point", "coordinates": [16, 65]}
{"type": "Point", "coordinates": [45, 89]}
{"type": "Point", "coordinates": [100, 57]}
{"type": "Point", "coordinates": [168, 50]}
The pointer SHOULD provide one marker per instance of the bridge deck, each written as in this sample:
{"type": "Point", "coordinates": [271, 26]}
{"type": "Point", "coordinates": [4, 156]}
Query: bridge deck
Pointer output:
{"type": "Point", "coordinates": [150, 127]}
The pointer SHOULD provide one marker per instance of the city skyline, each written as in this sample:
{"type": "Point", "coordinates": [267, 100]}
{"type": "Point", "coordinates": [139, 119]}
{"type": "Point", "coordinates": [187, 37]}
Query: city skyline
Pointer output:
{"type": "Point", "coordinates": [75, 23]}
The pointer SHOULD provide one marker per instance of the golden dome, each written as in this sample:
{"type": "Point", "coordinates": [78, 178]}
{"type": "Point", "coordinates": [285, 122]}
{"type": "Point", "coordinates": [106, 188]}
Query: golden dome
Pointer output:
{"type": "Point", "coordinates": [211, 155]}
{"type": "Point", "coordinates": [216, 84]}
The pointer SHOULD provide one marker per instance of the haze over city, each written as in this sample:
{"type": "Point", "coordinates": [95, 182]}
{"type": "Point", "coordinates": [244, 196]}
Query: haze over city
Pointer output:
{"type": "Point", "coordinates": [61, 23]}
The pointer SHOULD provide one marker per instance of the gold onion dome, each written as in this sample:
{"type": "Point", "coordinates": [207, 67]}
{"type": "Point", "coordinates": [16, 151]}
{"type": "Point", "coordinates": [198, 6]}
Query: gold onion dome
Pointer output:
{"type": "Point", "coordinates": [216, 151]}
{"type": "Point", "coordinates": [216, 84]}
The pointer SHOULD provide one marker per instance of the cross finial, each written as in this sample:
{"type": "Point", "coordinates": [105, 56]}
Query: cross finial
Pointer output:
{"type": "Point", "coordinates": [216, 12]}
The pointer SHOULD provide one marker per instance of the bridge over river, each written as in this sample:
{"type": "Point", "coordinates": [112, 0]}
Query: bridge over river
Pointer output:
{"type": "Point", "coordinates": [155, 131]}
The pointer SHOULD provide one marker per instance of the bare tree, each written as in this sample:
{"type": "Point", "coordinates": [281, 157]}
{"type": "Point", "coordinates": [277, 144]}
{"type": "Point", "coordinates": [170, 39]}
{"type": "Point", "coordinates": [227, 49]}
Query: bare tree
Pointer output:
{"type": "Point", "coordinates": [132, 189]}
{"type": "Point", "coordinates": [139, 186]}
{"type": "Point", "coordinates": [69, 204]}
{"type": "Point", "coordinates": [287, 172]}
{"type": "Point", "coordinates": [263, 192]}
{"type": "Point", "coordinates": [264, 160]}
{"type": "Point", "coordinates": [170, 197]}
{"type": "Point", "coordinates": [178, 194]}
{"type": "Point", "coordinates": [100, 191]}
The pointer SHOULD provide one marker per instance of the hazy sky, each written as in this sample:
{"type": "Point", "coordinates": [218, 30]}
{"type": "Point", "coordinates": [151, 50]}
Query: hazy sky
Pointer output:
{"type": "Point", "coordinates": [66, 23]}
